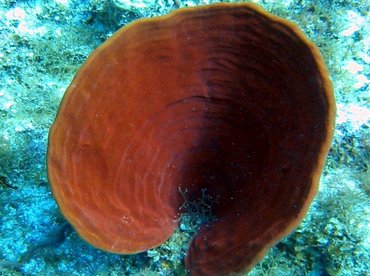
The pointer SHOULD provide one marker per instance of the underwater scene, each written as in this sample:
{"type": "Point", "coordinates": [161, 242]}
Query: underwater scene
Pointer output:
{"type": "Point", "coordinates": [59, 215]}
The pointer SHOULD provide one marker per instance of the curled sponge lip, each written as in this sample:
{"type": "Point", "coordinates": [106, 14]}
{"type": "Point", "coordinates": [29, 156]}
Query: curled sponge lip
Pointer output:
{"type": "Point", "coordinates": [225, 97]}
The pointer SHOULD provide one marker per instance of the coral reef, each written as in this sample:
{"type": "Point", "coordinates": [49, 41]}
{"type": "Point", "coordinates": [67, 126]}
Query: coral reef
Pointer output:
{"type": "Point", "coordinates": [43, 43]}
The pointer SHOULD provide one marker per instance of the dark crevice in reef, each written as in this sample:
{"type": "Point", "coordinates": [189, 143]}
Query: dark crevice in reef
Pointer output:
{"type": "Point", "coordinates": [51, 241]}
